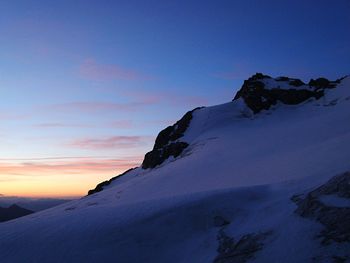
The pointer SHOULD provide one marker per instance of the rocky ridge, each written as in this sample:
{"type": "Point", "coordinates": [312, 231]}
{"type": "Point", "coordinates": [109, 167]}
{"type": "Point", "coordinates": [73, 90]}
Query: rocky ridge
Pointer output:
{"type": "Point", "coordinates": [334, 216]}
{"type": "Point", "coordinates": [167, 142]}
{"type": "Point", "coordinates": [260, 91]}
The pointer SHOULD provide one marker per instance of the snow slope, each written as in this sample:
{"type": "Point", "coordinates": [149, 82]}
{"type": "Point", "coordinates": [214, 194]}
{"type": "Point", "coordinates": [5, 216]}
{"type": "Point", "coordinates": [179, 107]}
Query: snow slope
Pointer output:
{"type": "Point", "coordinates": [234, 180]}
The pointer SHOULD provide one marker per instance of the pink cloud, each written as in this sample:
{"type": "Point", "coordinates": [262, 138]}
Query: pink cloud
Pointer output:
{"type": "Point", "coordinates": [140, 100]}
{"type": "Point", "coordinates": [98, 106]}
{"type": "Point", "coordinates": [75, 166]}
{"type": "Point", "coordinates": [9, 116]}
{"type": "Point", "coordinates": [124, 142]}
{"type": "Point", "coordinates": [62, 125]}
{"type": "Point", "coordinates": [53, 158]}
{"type": "Point", "coordinates": [168, 97]}
{"type": "Point", "coordinates": [92, 70]}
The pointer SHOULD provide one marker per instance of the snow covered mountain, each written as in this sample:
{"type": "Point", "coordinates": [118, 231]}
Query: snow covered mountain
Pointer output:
{"type": "Point", "coordinates": [263, 178]}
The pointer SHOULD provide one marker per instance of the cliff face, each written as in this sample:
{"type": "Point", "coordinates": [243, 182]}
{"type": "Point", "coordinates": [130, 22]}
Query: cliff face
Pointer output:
{"type": "Point", "coordinates": [100, 186]}
{"type": "Point", "coordinates": [167, 143]}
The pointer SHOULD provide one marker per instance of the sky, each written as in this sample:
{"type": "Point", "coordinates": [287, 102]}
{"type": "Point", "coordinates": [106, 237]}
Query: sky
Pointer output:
{"type": "Point", "coordinates": [86, 86]}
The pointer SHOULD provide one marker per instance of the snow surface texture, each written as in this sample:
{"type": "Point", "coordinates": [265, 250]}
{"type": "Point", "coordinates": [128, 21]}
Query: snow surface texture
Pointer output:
{"type": "Point", "coordinates": [226, 198]}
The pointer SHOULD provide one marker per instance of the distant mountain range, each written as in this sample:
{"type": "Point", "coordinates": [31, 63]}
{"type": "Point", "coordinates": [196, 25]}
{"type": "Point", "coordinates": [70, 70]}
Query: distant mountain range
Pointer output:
{"type": "Point", "coordinates": [33, 204]}
{"type": "Point", "coordinates": [12, 212]}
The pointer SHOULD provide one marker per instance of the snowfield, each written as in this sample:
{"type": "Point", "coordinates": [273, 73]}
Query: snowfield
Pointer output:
{"type": "Point", "coordinates": [229, 197]}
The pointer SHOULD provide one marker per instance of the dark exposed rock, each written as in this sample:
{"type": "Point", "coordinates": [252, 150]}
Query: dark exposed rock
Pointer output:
{"type": "Point", "coordinates": [282, 78]}
{"type": "Point", "coordinates": [293, 96]}
{"type": "Point", "coordinates": [240, 251]}
{"type": "Point", "coordinates": [338, 259]}
{"type": "Point", "coordinates": [258, 76]}
{"type": "Point", "coordinates": [165, 145]}
{"type": "Point", "coordinates": [321, 83]}
{"type": "Point", "coordinates": [100, 186]}
{"type": "Point", "coordinates": [336, 220]}
{"type": "Point", "coordinates": [296, 82]}
{"type": "Point", "coordinates": [339, 185]}
{"type": "Point", "coordinates": [291, 81]}
{"type": "Point", "coordinates": [258, 97]}
{"type": "Point", "coordinates": [174, 132]}
{"type": "Point", "coordinates": [158, 156]}
{"type": "Point", "coordinates": [12, 212]}
{"type": "Point", "coordinates": [340, 79]}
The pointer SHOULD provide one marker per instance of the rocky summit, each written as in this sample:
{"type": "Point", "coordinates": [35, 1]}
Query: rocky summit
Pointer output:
{"type": "Point", "coordinates": [260, 91]}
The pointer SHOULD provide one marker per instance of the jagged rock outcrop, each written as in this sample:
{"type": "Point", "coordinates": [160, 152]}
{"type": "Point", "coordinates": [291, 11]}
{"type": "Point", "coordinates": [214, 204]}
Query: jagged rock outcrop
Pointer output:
{"type": "Point", "coordinates": [291, 81]}
{"type": "Point", "coordinates": [335, 218]}
{"type": "Point", "coordinates": [100, 186]}
{"type": "Point", "coordinates": [231, 251]}
{"type": "Point", "coordinates": [158, 156]}
{"type": "Point", "coordinates": [260, 92]}
{"type": "Point", "coordinates": [166, 143]}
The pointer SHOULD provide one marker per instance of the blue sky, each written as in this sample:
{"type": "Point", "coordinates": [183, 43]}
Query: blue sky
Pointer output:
{"type": "Point", "coordinates": [97, 80]}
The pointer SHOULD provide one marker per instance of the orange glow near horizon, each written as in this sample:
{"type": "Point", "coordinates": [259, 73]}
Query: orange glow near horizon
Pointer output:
{"type": "Point", "coordinates": [59, 179]}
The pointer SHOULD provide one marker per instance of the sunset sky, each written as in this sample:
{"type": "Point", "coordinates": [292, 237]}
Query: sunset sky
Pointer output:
{"type": "Point", "coordinates": [86, 85]}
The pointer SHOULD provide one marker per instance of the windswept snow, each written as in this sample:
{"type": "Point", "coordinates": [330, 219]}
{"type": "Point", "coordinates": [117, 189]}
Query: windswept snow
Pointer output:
{"type": "Point", "coordinates": [242, 167]}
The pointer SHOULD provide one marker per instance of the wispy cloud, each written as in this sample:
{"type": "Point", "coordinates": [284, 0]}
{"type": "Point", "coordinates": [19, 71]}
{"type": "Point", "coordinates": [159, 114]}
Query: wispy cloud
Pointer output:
{"type": "Point", "coordinates": [165, 97]}
{"type": "Point", "coordinates": [127, 124]}
{"type": "Point", "coordinates": [54, 158]}
{"type": "Point", "coordinates": [62, 125]}
{"type": "Point", "coordinates": [11, 116]}
{"type": "Point", "coordinates": [90, 69]}
{"type": "Point", "coordinates": [77, 166]}
{"type": "Point", "coordinates": [139, 100]}
{"type": "Point", "coordinates": [114, 142]}
{"type": "Point", "coordinates": [90, 106]}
